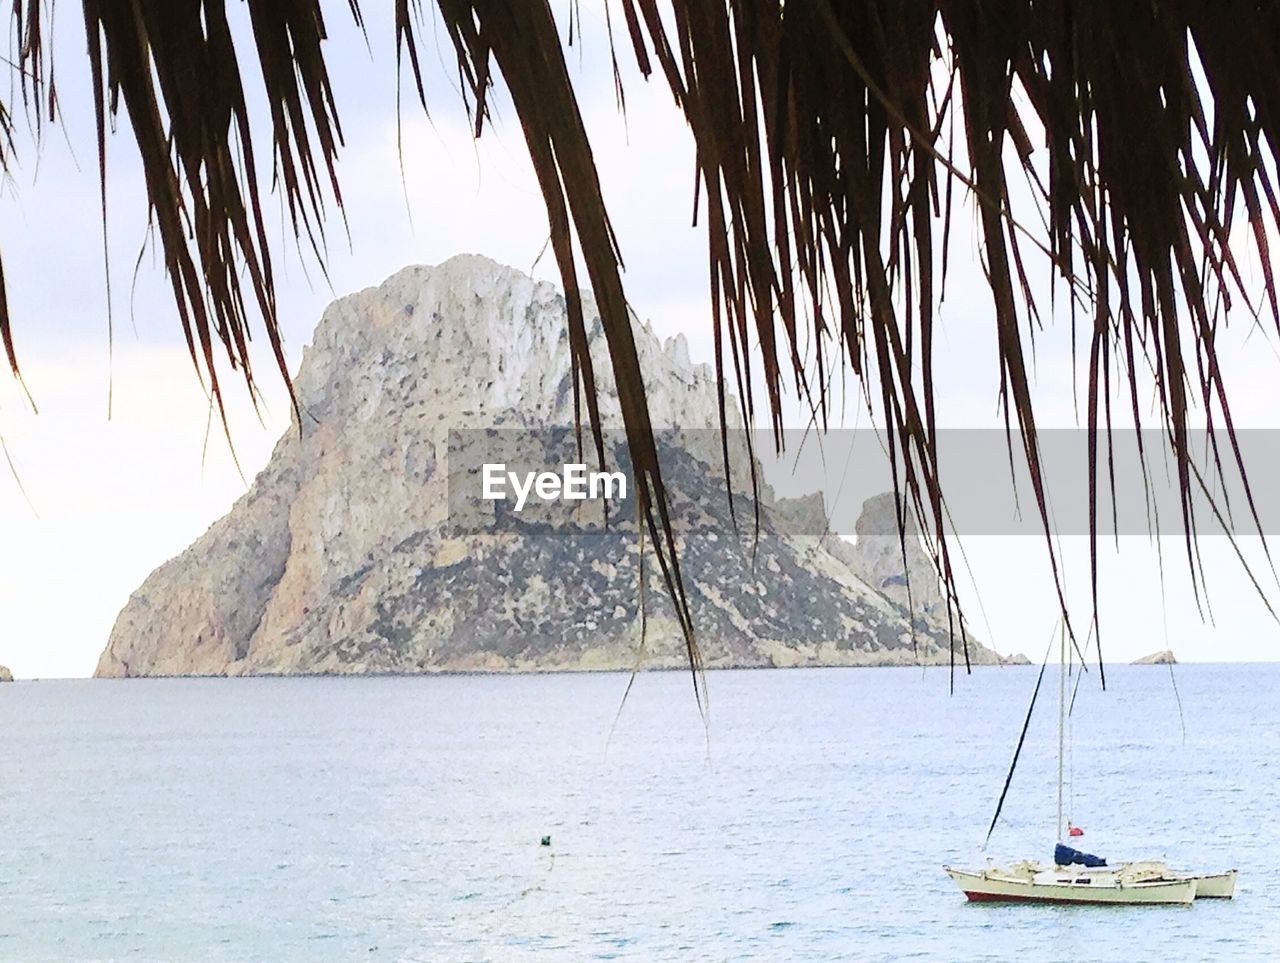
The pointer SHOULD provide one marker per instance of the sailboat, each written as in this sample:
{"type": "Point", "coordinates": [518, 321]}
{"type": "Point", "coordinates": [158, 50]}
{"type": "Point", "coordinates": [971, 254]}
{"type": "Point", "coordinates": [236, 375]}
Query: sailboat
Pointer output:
{"type": "Point", "coordinates": [1078, 877]}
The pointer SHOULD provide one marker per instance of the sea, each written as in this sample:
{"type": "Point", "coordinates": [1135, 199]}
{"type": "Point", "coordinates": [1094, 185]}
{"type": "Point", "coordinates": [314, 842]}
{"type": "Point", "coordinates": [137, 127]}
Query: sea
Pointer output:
{"type": "Point", "coordinates": [792, 815]}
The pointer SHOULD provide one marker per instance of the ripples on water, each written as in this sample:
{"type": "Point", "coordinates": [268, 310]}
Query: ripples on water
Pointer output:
{"type": "Point", "coordinates": [400, 819]}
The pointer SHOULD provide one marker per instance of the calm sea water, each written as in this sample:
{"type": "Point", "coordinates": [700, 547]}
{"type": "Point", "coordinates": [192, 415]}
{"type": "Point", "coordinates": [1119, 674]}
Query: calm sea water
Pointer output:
{"type": "Point", "coordinates": [400, 819]}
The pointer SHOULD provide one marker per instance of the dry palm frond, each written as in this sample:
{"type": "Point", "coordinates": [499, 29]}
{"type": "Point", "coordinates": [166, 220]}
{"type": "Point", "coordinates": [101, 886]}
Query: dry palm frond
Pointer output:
{"type": "Point", "coordinates": [826, 171]}
{"type": "Point", "coordinates": [523, 41]}
{"type": "Point", "coordinates": [175, 70]}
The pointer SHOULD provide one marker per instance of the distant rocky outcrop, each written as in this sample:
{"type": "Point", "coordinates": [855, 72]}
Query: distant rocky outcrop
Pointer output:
{"type": "Point", "coordinates": [878, 554]}
{"type": "Point", "coordinates": [5, 674]}
{"type": "Point", "coordinates": [347, 556]}
{"type": "Point", "coordinates": [1164, 657]}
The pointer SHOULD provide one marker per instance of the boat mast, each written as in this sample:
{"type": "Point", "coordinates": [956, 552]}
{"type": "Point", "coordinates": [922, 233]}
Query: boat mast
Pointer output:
{"type": "Point", "coordinates": [1062, 717]}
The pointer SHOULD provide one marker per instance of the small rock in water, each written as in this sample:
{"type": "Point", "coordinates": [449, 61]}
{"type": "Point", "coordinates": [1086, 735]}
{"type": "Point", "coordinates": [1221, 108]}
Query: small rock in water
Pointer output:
{"type": "Point", "coordinates": [546, 840]}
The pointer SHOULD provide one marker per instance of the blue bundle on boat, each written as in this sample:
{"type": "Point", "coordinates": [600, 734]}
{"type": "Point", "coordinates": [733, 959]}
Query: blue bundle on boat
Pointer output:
{"type": "Point", "coordinates": [1066, 856]}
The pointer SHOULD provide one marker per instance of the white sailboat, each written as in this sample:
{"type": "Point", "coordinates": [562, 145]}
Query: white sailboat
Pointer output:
{"type": "Point", "coordinates": [1032, 883]}
{"type": "Point", "coordinates": [1077, 877]}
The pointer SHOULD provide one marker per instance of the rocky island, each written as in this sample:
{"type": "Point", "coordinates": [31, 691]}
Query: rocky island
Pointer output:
{"type": "Point", "coordinates": [1164, 657]}
{"type": "Point", "coordinates": [342, 557]}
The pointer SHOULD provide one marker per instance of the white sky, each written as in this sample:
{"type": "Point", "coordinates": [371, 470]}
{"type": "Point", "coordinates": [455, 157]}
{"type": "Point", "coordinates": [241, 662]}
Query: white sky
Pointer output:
{"type": "Point", "coordinates": [112, 499]}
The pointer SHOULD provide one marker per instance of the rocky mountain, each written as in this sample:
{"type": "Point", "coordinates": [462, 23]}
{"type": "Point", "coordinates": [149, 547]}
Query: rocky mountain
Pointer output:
{"type": "Point", "coordinates": [364, 545]}
{"type": "Point", "coordinates": [1163, 657]}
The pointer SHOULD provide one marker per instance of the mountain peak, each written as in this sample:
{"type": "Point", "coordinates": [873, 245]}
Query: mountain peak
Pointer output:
{"type": "Point", "coordinates": [342, 556]}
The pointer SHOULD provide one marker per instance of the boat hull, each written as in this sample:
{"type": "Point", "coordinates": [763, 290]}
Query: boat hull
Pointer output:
{"type": "Point", "coordinates": [1215, 885]}
{"type": "Point", "coordinates": [1208, 885]}
{"type": "Point", "coordinates": [1089, 888]}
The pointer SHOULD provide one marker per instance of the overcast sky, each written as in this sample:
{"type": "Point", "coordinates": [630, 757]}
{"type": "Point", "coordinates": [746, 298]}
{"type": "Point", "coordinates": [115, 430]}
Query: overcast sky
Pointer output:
{"type": "Point", "coordinates": [109, 500]}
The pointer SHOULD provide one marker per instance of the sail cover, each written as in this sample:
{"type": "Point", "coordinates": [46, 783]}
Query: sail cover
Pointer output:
{"type": "Point", "coordinates": [1066, 856]}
